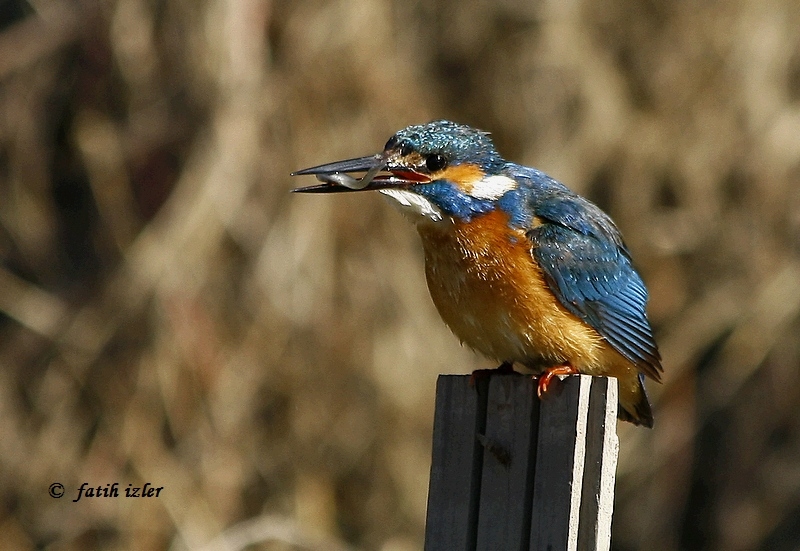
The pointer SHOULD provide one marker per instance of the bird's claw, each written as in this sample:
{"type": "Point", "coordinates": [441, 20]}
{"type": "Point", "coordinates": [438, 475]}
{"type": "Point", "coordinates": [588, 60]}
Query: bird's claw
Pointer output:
{"type": "Point", "coordinates": [546, 378]}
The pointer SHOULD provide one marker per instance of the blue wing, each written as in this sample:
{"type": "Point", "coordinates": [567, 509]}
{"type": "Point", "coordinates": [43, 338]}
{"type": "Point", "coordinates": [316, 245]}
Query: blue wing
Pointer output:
{"type": "Point", "coordinates": [589, 269]}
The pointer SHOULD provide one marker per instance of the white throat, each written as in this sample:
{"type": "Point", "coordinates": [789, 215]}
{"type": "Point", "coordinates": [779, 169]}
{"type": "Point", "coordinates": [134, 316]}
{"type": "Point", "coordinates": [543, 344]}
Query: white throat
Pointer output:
{"type": "Point", "coordinates": [415, 206]}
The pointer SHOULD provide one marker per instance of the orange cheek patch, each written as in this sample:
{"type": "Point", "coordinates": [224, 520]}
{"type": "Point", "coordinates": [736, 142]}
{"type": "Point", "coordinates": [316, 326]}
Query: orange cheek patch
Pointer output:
{"type": "Point", "coordinates": [464, 176]}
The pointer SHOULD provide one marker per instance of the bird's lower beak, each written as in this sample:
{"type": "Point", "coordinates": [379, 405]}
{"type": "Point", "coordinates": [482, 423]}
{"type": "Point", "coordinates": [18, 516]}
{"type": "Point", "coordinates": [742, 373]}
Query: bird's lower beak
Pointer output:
{"type": "Point", "coordinates": [378, 175]}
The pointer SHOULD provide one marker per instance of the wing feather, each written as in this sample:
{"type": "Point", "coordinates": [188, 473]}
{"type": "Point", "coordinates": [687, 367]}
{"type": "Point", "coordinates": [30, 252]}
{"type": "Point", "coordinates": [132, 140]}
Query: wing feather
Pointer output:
{"type": "Point", "coordinates": [589, 270]}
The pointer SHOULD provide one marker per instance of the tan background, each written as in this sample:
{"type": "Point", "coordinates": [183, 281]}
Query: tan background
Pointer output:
{"type": "Point", "coordinates": [172, 315]}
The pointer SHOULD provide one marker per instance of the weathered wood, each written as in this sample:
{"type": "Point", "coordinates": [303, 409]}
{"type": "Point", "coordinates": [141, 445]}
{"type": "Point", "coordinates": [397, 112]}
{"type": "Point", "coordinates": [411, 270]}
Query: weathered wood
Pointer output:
{"type": "Point", "coordinates": [456, 461]}
{"type": "Point", "coordinates": [507, 482]}
{"type": "Point", "coordinates": [602, 448]}
{"type": "Point", "coordinates": [512, 472]}
{"type": "Point", "coordinates": [562, 425]}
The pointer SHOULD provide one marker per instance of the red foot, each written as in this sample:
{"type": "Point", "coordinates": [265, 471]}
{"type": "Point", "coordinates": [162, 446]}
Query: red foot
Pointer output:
{"type": "Point", "coordinates": [547, 377]}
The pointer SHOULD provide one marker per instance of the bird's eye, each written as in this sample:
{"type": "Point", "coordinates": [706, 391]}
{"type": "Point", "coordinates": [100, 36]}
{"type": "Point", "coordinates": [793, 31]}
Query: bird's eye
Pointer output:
{"type": "Point", "coordinates": [406, 148]}
{"type": "Point", "coordinates": [435, 162]}
{"type": "Point", "coordinates": [391, 143]}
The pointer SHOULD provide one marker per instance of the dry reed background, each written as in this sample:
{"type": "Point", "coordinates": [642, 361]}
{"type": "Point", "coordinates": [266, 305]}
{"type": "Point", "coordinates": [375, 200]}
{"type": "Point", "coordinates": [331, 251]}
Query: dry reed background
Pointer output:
{"type": "Point", "coordinates": [171, 314]}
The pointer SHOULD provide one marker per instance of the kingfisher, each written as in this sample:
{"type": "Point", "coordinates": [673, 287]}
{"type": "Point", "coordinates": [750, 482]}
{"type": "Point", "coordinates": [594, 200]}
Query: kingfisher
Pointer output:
{"type": "Point", "coordinates": [522, 269]}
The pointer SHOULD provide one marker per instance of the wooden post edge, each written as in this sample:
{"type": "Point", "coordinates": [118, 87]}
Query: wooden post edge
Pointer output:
{"type": "Point", "coordinates": [510, 471]}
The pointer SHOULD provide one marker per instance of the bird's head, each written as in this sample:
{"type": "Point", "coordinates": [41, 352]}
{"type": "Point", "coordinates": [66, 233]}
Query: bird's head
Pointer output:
{"type": "Point", "coordinates": [435, 171]}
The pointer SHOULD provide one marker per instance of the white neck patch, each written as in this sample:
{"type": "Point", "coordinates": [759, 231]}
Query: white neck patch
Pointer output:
{"type": "Point", "coordinates": [413, 204]}
{"type": "Point", "coordinates": [492, 187]}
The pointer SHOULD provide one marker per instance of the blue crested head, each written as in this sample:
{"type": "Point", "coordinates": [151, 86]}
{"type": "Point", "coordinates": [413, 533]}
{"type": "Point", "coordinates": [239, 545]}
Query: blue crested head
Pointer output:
{"type": "Point", "coordinates": [456, 168]}
{"type": "Point", "coordinates": [456, 143]}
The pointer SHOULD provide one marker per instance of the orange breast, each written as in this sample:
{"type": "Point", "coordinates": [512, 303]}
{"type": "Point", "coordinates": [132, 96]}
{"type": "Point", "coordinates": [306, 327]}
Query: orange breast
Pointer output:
{"type": "Point", "coordinates": [489, 291]}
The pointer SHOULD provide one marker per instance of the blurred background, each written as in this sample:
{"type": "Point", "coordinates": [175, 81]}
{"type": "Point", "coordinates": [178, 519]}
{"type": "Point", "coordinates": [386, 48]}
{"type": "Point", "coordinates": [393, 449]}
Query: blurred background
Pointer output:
{"type": "Point", "coordinates": [171, 314]}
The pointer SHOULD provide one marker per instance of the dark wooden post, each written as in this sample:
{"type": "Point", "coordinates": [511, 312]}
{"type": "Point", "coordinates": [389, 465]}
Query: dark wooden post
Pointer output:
{"type": "Point", "coordinates": [511, 472]}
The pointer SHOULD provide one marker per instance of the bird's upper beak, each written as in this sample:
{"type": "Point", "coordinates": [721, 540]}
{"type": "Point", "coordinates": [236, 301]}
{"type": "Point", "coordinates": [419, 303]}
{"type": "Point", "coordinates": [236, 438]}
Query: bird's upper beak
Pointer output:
{"type": "Point", "coordinates": [381, 172]}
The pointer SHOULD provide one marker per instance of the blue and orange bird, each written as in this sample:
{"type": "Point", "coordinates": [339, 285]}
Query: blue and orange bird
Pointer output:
{"type": "Point", "coordinates": [520, 268]}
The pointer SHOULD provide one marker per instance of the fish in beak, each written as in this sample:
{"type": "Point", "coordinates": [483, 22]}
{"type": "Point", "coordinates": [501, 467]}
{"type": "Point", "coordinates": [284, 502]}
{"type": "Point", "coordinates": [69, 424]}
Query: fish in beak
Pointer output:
{"type": "Point", "coordinates": [381, 172]}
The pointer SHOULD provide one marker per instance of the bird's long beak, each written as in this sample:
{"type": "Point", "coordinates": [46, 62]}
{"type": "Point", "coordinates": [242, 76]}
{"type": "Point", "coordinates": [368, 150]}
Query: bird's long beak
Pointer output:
{"type": "Point", "coordinates": [379, 175]}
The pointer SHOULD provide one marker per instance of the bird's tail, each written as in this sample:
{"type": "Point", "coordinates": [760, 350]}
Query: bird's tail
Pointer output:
{"type": "Point", "coordinates": [634, 405]}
